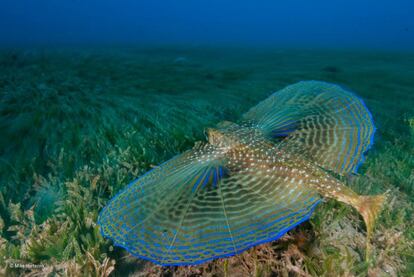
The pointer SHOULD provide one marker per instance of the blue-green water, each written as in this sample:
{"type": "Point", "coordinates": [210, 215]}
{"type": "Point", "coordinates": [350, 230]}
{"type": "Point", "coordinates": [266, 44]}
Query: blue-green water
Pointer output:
{"type": "Point", "coordinates": [370, 24]}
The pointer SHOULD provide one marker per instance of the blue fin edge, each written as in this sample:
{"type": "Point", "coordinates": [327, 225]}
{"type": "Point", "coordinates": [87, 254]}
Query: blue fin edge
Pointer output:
{"type": "Point", "coordinates": [371, 139]}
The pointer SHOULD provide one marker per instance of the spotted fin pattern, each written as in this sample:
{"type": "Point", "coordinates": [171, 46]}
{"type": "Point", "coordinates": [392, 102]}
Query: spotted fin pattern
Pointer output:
{"type": "Point", "coordinates": [320, 121]}
{"type": "Point", "coordinates": [207, 203]}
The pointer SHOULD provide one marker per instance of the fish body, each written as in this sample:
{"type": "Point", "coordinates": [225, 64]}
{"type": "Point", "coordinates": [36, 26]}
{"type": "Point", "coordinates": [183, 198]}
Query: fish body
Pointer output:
{"type": "Point", "coordinates": [269, 158]}
{"type": "Point", "coordinates": [251, 182]}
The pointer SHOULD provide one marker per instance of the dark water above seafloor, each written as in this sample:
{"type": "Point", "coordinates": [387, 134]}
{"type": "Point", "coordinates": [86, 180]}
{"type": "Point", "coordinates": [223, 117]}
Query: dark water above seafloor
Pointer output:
{"type": "Point", "coordinates": [380, 24]}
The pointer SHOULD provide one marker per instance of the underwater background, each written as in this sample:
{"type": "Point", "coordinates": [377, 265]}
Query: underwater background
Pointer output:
{"type": "Point", "coordinates": [95, 93]}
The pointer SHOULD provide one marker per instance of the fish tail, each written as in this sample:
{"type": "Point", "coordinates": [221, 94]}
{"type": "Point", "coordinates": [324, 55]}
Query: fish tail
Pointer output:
{"type": "Point", "coordinates": [369, 207]}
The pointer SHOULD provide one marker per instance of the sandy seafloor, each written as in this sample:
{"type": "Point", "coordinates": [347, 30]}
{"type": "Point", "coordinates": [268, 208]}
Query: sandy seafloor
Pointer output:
{"type": "Point", "coordinates": [78, 125]}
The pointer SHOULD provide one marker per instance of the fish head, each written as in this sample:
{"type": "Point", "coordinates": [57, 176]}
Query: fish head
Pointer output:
{"type": "Point", "coordinates": [221, 138]}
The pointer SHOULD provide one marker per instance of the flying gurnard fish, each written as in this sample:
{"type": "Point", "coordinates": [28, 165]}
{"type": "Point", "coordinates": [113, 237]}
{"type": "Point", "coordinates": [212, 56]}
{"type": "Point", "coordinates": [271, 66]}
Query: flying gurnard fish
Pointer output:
{"type": "Point", "coordinates": [251, 182]}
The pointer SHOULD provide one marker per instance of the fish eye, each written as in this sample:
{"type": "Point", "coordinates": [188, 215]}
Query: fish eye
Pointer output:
{"type": "Point", "coordinates": [205, 132]}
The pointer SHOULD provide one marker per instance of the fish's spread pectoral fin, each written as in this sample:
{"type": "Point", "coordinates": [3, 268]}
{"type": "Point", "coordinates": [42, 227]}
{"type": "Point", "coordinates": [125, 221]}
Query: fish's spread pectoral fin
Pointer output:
{"type": "Point", "coordinates": [327, 124]}
{"type": "Point", "coordinates": [206, 203]}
